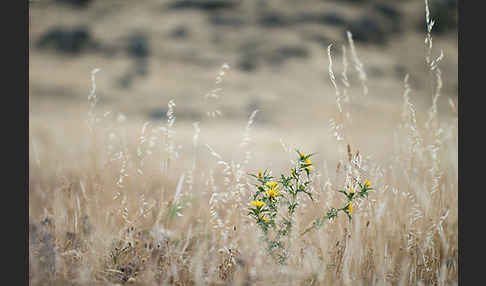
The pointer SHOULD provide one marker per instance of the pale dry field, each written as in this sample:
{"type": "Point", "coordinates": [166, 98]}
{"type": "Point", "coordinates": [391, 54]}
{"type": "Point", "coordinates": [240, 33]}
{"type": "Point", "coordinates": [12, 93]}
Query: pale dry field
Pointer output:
{"type": "Point", "coordinates": [116, 196]}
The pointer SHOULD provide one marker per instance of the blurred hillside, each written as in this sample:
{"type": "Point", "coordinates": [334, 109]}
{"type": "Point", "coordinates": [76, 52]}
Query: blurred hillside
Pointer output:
{"type": "Point", "coordinates": [153, 51]}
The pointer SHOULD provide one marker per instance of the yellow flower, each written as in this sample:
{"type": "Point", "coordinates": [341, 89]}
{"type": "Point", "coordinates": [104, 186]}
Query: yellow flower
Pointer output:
{"type": "Point", "coordinates": [302, 155]}
{"type": "Point", "coordinates": [292, 172]}
{"type": "Point", "coordinates": [272, 193]}
{"type": "Point", "coordinates": [350, 208]}
{"type": "Point", "coordinates": [367, 183]}
{"type": "Point", "coordinates": [273, 189]}
{"type": "Point", "coordinates": [258, 203]}
{"type": "Point", "coordinates": [259, 173]}
{"type": "Point", "coordinates": [266, 219]}
{"type": "Point", "coordinates": [351, 190]}
{"type": "Point", "coordinates": [308, 162]}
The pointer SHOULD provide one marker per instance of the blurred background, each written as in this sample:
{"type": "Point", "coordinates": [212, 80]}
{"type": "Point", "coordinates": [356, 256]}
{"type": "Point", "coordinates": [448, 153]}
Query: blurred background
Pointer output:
{"type": "Point", "coordinates": [269, 55]}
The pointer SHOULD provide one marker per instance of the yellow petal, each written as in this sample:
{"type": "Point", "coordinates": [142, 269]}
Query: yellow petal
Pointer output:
{"type": "Point", "coordinates": [272, 184]}
{"type": "Point", "coordinates": [258, 203]}
{"type": "Point", "coordinates": [367, 183]}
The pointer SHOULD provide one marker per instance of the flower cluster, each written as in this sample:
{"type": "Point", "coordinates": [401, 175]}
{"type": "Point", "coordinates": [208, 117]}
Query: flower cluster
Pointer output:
{"type": "Point", "coordinates": [272, 193]}
{"type": "Point", "coordinates": [348, 206]}
{"type": "Point", "coordinates": [265, 200]}
{"type": "Point", "coordinates": [348, 209]}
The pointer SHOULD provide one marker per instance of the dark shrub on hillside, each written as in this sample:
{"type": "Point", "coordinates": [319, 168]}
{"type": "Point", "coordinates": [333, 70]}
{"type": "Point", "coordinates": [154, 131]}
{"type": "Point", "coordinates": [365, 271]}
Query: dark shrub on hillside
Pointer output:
{"type": "Point", "coordinates": [138, 46]}
{"type": "Point", "coordinates": [326, 18]}
{"type": "Point", "coordinates": [390, 14]}
{"type": "Point", "coordinates": [367, 30]}
{"type": "Point", "coordinates": [247, 63]}
{"type": "Point", "coordinates": [274, 20]}
{"type": "Point", "coordinates": [205, 5]}
{"type": "Point", "coordinates": [76, 3]}
{"type": "Point", "coordinates": [65, 40]}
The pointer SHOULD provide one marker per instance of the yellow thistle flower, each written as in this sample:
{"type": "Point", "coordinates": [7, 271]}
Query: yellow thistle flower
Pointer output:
{"type": "Point", "coordinates": [302, 155]}
{"type": "Point", "coordinates": [350, 208]}
{"type": "Point", "coordinates": [292, 172]}
{"type": "Point", "coordinates": [272, 193]}
{"type": "Point", "coordinates": [259, 173]}
{"type": "Point", "coordinates": [308, 161]}
{"type": "Point", "coordinates": [266, 219]}
{"type": "Point", "coordinates": [367, 183]}
{"type": "Point", "coordinates": [258, 203]}
{"type": "Point", "coordinates": [273, 189]}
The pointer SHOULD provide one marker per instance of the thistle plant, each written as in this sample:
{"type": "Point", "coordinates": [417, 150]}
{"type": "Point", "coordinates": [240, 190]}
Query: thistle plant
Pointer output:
{"type": "Point", "coordinates": [273, 194]}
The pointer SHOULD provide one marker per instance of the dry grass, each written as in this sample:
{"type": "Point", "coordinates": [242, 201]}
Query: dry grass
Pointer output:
{"type": "Point", "coordinates": [118, 201]}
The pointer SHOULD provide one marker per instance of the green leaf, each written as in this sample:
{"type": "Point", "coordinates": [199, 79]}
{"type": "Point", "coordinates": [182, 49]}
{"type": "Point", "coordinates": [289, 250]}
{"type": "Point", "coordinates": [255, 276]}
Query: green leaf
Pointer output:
{"type": "Point", "coordinates": [344, 192]}
{"type": "Point", "coordinates": [310, 195]}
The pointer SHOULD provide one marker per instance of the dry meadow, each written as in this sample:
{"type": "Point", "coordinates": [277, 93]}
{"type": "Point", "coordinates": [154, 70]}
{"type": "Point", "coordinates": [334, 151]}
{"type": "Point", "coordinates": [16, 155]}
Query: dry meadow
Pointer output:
{"type": "Point", "coordinates": [118, 197]}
